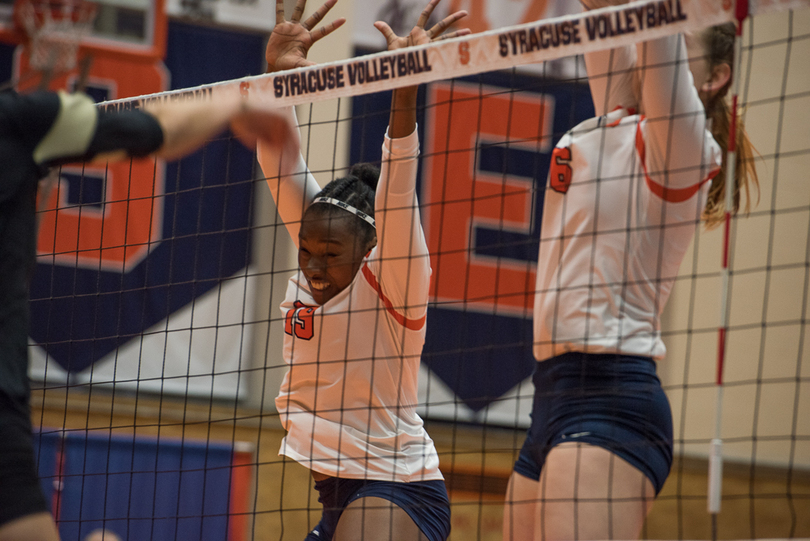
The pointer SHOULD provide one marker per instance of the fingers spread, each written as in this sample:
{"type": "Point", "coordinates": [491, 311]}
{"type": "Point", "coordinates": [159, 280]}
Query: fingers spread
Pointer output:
{"type": "Point", "coordinates": [456, 34]}
{"type": "Point", "coordinates": [386, 31]}
{"type": "Point", "coordinates": [327, 29]}
{"type": "Point", "coordinates": [319, 14]}
{"type": "Point", "coordinates": [426, 13]}
{"type": "Point", "coordinates": [280, 12]}
{"type": "Point", "coordinates": [298, 12]}
{"type": "Point", "coordinates": [446, 23]}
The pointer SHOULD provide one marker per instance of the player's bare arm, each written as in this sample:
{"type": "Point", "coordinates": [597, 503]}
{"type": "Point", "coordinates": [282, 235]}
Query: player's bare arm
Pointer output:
{"type": "Point", "coordinates": [188, 126]}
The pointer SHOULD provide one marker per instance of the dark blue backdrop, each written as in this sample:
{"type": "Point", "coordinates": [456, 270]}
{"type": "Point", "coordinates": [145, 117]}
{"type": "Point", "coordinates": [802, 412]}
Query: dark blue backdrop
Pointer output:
{"type": "Point", "coordinates": [80, 315]}
{"type": "Point", "coordinates": [137, 488]}
{"type": "Point", "coordinates": [481, 356]}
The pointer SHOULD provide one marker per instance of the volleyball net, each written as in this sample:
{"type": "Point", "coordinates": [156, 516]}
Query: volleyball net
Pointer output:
{"type": "Point", "coordinates": [157, 338]}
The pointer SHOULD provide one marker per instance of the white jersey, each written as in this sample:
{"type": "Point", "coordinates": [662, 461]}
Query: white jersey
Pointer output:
{"type": "Point", "coordinates": [348, 401]}
{"type": "Point", "coordinates": [624, 199]}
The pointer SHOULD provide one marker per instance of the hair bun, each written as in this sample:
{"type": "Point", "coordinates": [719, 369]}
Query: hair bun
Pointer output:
{"type": "Point", "coordinates": [366, 173]}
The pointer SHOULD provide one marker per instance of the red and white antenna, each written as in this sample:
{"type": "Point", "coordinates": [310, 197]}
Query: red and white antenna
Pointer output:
{"type": "Point", "coordinates": [716, 449]}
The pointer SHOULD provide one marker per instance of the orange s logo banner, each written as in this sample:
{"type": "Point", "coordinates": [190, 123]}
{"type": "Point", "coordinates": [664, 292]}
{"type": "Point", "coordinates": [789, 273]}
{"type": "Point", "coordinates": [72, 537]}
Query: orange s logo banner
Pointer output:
{"type": "Point", "coordinates": [115, 232]}
{"type": "Point", "coordinates": [486, 15]}
{"type": "Point", "coordinates": [466, 201]}
{"type": "Point", "coordinates": [122, 221]}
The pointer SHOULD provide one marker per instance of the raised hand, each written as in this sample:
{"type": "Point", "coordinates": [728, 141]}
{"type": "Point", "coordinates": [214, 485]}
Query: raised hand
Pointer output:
{"type": "Point", "coordinates": [403, 103]}
{"type": "Point", "coordinates": [291, 40]}
{"type": "Point", "coordinates": [420, 36]}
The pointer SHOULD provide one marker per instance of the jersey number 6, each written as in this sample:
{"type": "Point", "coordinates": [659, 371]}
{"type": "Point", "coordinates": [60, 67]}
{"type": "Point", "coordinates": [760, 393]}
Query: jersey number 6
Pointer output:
{"type": "Point", "coordinates": [560, 171]}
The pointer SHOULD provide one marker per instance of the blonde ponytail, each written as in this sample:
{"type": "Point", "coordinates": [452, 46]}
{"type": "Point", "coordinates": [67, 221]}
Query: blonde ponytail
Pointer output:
{"type": "Point", "coordinates": [719, 44]}
{"type": "Point", "coordinates": [745, 172]}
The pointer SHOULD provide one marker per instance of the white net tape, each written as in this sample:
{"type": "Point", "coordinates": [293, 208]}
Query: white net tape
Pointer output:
{"type": "Point", "coordinates": [519, 45]}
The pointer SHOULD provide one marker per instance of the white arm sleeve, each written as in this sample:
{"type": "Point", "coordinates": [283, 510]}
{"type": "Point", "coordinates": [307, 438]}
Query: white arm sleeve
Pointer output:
{"type": "Point", "coordinates": [610, 76]}
{"type": "Point", "coordinates": [292, 185]}
{"type": "Point", "coordinates": [401, 262]}
{"type": "Point", "coordinates": [681, 153]}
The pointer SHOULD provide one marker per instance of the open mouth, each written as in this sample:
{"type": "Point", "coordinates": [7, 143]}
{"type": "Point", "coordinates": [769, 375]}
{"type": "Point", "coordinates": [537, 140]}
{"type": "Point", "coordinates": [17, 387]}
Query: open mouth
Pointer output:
{"type": "Point", "coordinates": [318, 285]}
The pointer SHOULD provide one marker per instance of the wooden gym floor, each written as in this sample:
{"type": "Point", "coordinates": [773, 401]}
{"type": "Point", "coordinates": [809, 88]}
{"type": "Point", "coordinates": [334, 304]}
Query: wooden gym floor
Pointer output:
{"type": "Point", "coordinates": [757, 502]}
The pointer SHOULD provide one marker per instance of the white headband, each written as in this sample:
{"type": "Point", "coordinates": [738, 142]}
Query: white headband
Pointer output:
{"type": "Point", "coordinates": [345, 206]}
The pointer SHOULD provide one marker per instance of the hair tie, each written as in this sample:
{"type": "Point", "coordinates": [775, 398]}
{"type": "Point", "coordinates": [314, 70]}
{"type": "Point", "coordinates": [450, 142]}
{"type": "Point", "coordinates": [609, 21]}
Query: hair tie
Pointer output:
{"type": "Point", "coordinates": [345, 206]}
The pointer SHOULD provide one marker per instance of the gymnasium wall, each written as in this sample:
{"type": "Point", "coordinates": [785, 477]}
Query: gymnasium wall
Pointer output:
{"type": "Point", "coordinates": [765, 400]}
{"type": "Point", "coordinates": [767, 392]}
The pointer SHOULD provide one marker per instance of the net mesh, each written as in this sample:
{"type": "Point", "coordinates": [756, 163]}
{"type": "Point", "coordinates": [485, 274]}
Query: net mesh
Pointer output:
{"type": "Point", "coordinates": [159, 341]}
{"type": "Point", "coordinates": [54, 31]}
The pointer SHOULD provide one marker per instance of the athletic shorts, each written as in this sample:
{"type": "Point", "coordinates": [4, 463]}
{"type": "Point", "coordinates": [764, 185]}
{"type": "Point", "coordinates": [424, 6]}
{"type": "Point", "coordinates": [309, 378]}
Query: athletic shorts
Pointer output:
{"type": "Point", "coordinates": [611, 401]}
{"type": "Point", "coordinates": [20, 494]}
{"type": "Point", "coordinates": [426, 502]}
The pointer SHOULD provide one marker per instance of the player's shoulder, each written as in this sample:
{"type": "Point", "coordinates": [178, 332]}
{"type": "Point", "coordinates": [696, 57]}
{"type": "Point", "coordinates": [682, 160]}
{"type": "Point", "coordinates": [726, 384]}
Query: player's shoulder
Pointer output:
{"type": "Point", "coordinates": [32, 113]}
{"type": "Point", "coordinates": [595, 129]}
{"type": "Point", "coordinates": [38, 100]}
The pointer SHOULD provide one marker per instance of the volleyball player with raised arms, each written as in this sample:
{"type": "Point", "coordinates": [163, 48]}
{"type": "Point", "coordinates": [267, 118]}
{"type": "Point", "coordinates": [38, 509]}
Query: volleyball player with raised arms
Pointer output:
{"type": "Point", "coordinates": [625, 194]}
{"type": "Point", "coordinates": [355, 318]}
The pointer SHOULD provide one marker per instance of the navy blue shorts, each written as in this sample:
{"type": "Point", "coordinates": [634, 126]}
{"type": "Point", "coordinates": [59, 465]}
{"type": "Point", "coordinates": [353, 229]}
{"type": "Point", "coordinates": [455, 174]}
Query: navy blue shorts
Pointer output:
{"type": "Point", "coordinates": [426, 502]}
{"type": "Point", "coordinates": [20, 493]}
{"type": "Point", "coordinates": [612, 401]}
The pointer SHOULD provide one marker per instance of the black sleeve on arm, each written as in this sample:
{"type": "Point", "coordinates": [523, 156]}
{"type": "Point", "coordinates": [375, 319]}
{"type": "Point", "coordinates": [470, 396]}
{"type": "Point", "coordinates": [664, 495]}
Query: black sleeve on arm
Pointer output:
{"type": "Point", "coordinates": [30, 116]}
{"type": "Point", "coordinates": [136, 132]}
{"type": "Point", "coordinates": [81, 131]}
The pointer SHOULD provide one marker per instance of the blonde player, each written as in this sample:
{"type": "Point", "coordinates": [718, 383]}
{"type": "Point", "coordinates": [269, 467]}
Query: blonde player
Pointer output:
{"type": "Point", "coordinates": [355, 319]}
{"type": "Point", "coordinates": [625, 192]}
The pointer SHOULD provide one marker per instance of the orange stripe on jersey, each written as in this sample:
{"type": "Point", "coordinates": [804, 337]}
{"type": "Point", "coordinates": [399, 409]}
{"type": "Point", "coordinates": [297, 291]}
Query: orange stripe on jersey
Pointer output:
{"type": "Point", "coordinates": [412, 324]}
{"type": "Point", "coordinates": [630, 111]}
{"type": "Point", "coordinates": [670, 195]}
